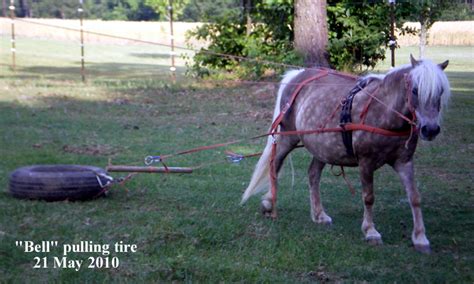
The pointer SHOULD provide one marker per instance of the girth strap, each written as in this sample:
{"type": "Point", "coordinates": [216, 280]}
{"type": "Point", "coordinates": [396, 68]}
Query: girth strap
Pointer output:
{"type": "Point", "coordinates": [346, 116]}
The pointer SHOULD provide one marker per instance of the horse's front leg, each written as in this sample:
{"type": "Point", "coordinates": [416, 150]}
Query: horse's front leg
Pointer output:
{"type": "Point", "coordinates": [368, 227]}
{"type": "Point", "coordinates": [406, 172]}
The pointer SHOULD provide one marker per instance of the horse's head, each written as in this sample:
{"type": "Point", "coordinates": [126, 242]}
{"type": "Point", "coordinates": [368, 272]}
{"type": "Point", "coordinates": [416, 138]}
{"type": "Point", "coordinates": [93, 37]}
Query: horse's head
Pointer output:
{"type": "Point", "coordinates": [430, 92]}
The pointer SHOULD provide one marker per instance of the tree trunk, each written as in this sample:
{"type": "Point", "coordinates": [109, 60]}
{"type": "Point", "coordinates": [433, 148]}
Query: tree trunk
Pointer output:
{"type": "Point", "coordinates": [25, 8]}
{"type": "Point", "coordinates": [248, 7]}
{"type": "Point", "coordinates": [4, 8]}
{"type": "Point", "coordinates": [423, 37]}
{"type": "Point", "coordinates": [311, 31]}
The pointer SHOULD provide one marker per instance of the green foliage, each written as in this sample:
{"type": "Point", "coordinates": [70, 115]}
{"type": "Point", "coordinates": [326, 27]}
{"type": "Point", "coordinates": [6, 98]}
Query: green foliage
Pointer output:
{"type": "Point", "coordinates": [66, 9]}
{"type": "Point", "coordinates": [428, 11]}
{"type": "Point", "coordinates": [93, 9]}
{"type": "Point", "coordinates": [162, 7]}
{"type": "Point", "coordinates": [269, 39]}
{"type": "Point", "coordinates": [119, 10]}
{"type": "Point", "coordinates": [355, 38]}
{"type": "Point", "coordinates": [210, 11]}
{"type": "Point", "coordinates": [458, 12]}
{"type": "Point", "coordinates": [359, 33]}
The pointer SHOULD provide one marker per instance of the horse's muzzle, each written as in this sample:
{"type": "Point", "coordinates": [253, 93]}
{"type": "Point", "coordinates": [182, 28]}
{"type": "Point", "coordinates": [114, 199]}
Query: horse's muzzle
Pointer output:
{"type": "Point", "coordinates": [429, 132]}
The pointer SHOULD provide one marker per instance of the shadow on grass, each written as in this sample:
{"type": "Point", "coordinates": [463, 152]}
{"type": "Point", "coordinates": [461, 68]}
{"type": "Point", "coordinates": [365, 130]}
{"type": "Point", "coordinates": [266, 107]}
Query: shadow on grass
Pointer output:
{"type": "Point", "coordinates": [151, 55]}
{"type": "Point", "coordinates": [93, 70]}
{"type": "Point", "coordinates": [461, 82]}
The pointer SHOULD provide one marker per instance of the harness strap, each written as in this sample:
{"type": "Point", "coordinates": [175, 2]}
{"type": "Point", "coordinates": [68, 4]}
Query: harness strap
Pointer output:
{"type": "Point", "coordinates": [346, 116]}
{"type": "Point", "coordinates": [295, 93]}
{"type": "Point", "coordinates": [273, 179]}
{"type": "Point", "coordinates": [343, 174]}
{"type": "Point", "coordinates": [347, 127]}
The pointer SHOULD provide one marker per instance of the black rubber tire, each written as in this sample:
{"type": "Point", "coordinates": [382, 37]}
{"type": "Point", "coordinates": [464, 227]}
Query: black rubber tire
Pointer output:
{"type": "Point", "coordinates": [57, 182]}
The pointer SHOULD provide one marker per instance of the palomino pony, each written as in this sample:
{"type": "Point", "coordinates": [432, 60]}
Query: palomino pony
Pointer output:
{"type": "Point", "coordinates": [406, 96]}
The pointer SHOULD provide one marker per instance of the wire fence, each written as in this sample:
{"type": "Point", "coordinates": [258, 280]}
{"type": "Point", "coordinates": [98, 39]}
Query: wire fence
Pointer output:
{"type": "Point", "coordinates": [170, 45]}
{"type": "Point", "coordinates": [173, 50]}
{"type": "Point", "coordinates": [91, 54]}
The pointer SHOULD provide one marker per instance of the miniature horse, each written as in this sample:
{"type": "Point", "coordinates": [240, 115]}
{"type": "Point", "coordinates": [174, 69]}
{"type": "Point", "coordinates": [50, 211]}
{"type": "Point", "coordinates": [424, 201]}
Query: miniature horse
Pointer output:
{"type": "Point", "coordinates": [418, 90]}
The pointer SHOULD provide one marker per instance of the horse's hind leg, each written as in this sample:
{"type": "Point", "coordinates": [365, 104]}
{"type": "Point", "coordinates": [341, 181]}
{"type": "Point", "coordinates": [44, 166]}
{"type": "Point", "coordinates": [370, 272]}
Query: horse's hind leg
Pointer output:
{"type": "Point", "coordinates": [285, 144]}
{"type": "Point", "coordinates": [368, 227]}
{"type": "Point", "coordinates": [406, 173]}
{"type": "Point", "coordinates": [317, 211]}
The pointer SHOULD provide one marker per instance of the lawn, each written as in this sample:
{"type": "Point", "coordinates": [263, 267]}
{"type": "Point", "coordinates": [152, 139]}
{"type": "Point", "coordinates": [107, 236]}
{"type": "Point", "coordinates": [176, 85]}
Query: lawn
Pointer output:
{"type": "Point", "coordinates": [191, 227]}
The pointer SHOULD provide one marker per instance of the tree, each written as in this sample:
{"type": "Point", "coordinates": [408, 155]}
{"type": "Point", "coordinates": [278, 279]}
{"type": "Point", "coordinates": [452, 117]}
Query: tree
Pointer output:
{"type": "Point", "coordinates": [358, 35]}
{"type": "Point", "coordinates": [210, 10]}
{"type": "Point", "coordinates": [427, 12]}
{"type": "Point", "coordinates": [461, 10]}
{"type": "Point", "coordinates": [359, 32]}
{"type": "Point", "coordinates": [311, 31]}
{"type": "Point", "coordinates": [270, 39]}
{"type": "Point", "coordinates": [54, 9]}
{"type": "Point", "coordinates": [161, 6]}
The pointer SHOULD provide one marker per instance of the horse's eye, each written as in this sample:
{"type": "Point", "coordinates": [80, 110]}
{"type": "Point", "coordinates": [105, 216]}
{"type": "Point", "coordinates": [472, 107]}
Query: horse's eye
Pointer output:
{"type": "Point", "coordinates": [414, 92]}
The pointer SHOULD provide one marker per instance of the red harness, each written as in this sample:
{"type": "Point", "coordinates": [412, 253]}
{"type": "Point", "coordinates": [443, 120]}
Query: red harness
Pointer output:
{"type": "Point", "coordinates": [346, 127]}
{"type": "Point", "coordinates": [322, 129]}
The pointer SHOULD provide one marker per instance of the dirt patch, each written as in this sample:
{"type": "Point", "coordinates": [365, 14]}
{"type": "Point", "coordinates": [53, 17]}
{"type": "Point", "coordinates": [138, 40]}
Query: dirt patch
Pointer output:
{"type": "Point", "coordinates": [321, 275]}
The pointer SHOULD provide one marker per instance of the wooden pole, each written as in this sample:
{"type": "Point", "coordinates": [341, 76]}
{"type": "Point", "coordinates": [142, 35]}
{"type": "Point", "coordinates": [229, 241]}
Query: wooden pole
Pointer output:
{"type": "Point", "coordinates": [392, 41]}
{"type": "Point", "coordinates": [80, 10]}
{"type": "Point", "coordinates": [135, 169]}
{"type": "Point", "coordinates": [12, 18]}
{"type": "Point", "coordinates": [172, 53]}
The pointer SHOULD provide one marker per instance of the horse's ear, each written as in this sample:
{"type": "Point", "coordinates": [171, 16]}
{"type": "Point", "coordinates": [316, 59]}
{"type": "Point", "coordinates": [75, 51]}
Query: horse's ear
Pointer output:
{"type": "Point", "coordinates": [444, 64]}
{"type": "Point", "coordinates": [413, 61]}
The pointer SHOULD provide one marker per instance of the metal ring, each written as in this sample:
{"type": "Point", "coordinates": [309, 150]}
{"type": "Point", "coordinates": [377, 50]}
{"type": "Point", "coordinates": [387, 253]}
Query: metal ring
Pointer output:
{"type": "Point", "coordinates": [149, 160]}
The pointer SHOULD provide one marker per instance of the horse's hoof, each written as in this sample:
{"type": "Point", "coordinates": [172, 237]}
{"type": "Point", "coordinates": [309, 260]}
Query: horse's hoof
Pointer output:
{"type": "Point", "coordinates": [266, 208]}
{"type": "Point", "coordinates": [325, 222]}
{"type": "Point", "coordinates": [425, 249]}
{"type": "Point", "coordinates": [323, 219]}
{"type": "Point", "coordinates": [374, 241]}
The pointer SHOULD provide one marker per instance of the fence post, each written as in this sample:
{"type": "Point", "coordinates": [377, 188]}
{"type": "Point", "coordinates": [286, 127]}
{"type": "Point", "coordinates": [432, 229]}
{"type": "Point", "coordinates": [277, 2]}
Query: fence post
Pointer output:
{"type": "Point", "coordinates": [12, 18]}
{"type": "Point", "coordinates": [80, 10]}
{"type": "Point", "coordinates": [172, 53]}
{"type": "Point", "coordinates": [392, 43]}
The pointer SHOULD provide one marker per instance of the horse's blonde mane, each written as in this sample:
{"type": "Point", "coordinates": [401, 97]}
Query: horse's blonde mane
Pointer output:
{"type": "Point", "coordinates": [430, 80]}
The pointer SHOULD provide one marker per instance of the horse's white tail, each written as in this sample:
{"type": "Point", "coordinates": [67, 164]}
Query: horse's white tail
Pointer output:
{"type": "Point", "coordinates": [261, 175]}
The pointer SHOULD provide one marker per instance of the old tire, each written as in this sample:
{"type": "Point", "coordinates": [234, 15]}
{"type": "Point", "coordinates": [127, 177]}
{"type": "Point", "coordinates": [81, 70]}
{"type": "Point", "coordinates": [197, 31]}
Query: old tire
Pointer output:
{"type": "Point", "coordinates": [58, 182]}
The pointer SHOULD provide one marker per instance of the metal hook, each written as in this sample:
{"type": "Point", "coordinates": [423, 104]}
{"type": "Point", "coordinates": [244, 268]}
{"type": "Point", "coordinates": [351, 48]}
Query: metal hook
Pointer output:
{"type": "Point", "coordinates": [152, 159]}
{"type": "Point", "coordinates": [235, 159]}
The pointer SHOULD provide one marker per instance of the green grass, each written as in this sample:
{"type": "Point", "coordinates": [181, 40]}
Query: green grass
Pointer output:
{"type": "Point", "coordinates": [191, 227]}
